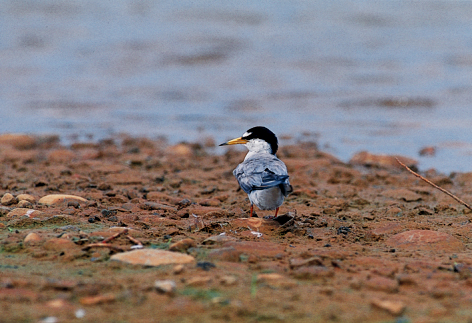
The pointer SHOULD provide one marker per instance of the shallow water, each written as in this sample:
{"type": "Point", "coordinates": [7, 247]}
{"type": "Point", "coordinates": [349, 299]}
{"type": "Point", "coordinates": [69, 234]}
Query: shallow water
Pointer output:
{"type": "Point", "coordinates": [383, 76]}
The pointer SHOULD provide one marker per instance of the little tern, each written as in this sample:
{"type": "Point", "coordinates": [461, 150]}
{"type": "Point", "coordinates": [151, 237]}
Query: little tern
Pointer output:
{"type": "Point", "coordinates": [262, 175]}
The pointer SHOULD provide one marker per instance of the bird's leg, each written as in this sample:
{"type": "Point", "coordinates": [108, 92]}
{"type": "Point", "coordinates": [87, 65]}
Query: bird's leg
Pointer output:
{"type": "Point", "coordinates": [251, 210]}
{"type": "Point", "coordinates": [276, 211]}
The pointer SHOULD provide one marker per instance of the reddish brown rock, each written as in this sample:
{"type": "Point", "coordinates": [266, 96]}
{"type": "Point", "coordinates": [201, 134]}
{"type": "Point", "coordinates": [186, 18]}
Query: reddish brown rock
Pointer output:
{"type": "Point", "coordinates": [19, 212]}
{"type": "Point", "coordinates": [383, 161]}
{"type": "Point", "coordinates": [378, 283]}
{"type": "Point", "coordinates": [59, 198]}
{"type": "Point", "coordinates": [183, 245]}
{"type": "Point", "coordinates": [18, 141]}
{"type": "Point", "coordinates": [60, 244]}
{"type": "Point", "coordinates": [61, 156]}
{"type": "Point", "coordinates": [8, 199]}
{"type": "Point", "coordinates": [152, 257]}
{"type": "Point", "coordinates": [26, 197]}
{"type": "Point", "coordinates": [426, 240]}
{"type": "Point", "coordinates": [402, 194]}
{"type": "Point", "coordinates": [393, 307]}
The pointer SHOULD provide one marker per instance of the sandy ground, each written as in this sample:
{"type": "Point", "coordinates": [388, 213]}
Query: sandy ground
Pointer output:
{"type": "Point", "coordinates": [354, 243]}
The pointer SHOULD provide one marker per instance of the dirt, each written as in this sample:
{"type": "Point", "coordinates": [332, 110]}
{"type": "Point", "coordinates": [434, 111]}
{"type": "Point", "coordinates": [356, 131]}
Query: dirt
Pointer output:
{"type": "Point", "coordinates": [353, 243]}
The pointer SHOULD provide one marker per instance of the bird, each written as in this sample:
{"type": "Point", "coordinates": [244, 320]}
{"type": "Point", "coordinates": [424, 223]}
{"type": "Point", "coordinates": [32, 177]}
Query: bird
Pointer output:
{"type": "Point", "coordinates": [262, 176]}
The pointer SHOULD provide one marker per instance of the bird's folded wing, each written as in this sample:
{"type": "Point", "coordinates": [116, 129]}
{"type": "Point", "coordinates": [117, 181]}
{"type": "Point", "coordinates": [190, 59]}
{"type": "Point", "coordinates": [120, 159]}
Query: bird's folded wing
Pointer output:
{"type": "Point", "coordinates": [261, 174]}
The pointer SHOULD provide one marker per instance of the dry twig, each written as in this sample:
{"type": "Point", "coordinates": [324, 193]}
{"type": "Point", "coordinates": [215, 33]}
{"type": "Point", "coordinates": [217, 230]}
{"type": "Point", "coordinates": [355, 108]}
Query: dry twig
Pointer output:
{"type": "Point", "coordinates": [116, 235]}
{"type": "Point", "coordinates": [435, 186]}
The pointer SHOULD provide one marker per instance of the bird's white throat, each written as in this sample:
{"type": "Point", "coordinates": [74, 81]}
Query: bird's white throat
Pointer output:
{"type": "Point", "coordinates": [257, 146]}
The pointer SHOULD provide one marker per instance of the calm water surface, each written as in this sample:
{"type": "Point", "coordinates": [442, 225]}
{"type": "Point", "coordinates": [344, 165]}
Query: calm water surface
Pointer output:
{"type": "Point", "coordinates": [383, 76]}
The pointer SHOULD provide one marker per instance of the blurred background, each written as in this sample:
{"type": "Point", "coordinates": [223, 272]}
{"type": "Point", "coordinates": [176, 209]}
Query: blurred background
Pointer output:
{"type": "Point", "coordinates": [389, 77]}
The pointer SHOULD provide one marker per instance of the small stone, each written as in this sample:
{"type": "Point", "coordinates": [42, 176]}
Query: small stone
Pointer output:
{"type": "Point", "coordinates": [313, 272]}
{"type": "Point", "coordinates": [183, 245]}
{"type": "Point", "coordinates": [402, 194]}
{"type": "Point", "coordinates": [25, 204]}
{"type": "Point", "coordinates": [8, 199]}
{"type": "Point", "coordinates": [393, 307]}
{"type": "Point", "coordinates": [228, 280]}
{"type": "Point", "coordinates": [275, 280]}
{"type": "Point", "coordinates": [198, 281]}
{"type": "Point", "coordinates": [383, 284]}
{"type": "Point", "coordinates": [178, 269]}
{"type": "Point", "coordinates": [296, 263]}
{"type": "Point", "coordinates": [219, 239]}
{"type": "Point", "coordinates": [99, 299]}
{"type": "Point", "coordinates": [225, 254]}
{"type": "Point", "coordinates": [156, 206]}
{"type": "Point", "coordinates": [32, 238]}
{"type": "Point", "coordinates": [429, 151]}
{"type": "Point", "coordinates": [18, 212]}
{"type": "Point", "coordinates": [165, 286]}
{"type": "Point", "coordinates": [26, 197]}
{"type": "Point", "coordinates": [426, 240]}
{"type": "Point", "coordinates": [59, 244]}
{"type": "Point", "coordinates": [383, 161]}
{"type": "Point", "coordinates": [58, 198]}
{"type": "Point", "coordinates": [152, 257]}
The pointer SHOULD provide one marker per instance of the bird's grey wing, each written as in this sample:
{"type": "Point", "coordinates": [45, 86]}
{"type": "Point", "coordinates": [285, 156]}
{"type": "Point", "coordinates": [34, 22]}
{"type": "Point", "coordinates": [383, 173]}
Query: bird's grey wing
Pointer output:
{"type": "Point", "coordinates": [261, 173]}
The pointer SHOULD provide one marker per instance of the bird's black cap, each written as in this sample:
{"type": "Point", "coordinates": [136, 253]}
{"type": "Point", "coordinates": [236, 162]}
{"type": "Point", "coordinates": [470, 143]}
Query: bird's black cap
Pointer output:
{"type": "Point", "coordinates": [263, 133]}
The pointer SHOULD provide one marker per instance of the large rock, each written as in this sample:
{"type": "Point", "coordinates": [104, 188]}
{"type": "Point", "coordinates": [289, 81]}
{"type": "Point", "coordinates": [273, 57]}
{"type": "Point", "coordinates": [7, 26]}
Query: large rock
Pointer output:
{"type": "Point", "coordinates": [58, 198]}
{"type": "Point", "coordinates": [381, 161]}
{"type": "Point", "coordinates": [426, 240]}
{"type": "Point", "coordinates": [152, 257]}
{"type": "Point", "coordinates": [402, 194]}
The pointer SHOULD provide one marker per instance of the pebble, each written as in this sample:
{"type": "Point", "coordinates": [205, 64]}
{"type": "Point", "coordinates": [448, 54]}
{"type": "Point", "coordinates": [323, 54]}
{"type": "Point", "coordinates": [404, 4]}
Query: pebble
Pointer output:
{"type": "Point", "coordinates": [198, 281]}
{"type": "Point", "coordinates": [18, 140]}
{"type": "Point", "coordinates": [313, 272]}
{"type": "Point", "coordinates": [165, 286]}
{"type": "Point", "coordinates": [402, 194]}
{"type": "Point", "coordinates": [99, 299]}
{"type": "Point", "coordinates": [385, 161]}
{"type": "Point", "coordinates": [426, 240]}
{"type": "Point", "coordinates": [219, 239]}
{"type": "Point", "coordinates": [58, 198]}
{"type": "Point", "coordinates": [59, 244]}
{"type": "Point", "coordinates": [8, 199]}
{"type": "Point", "coordinates": [275, 280]}
{"type": "Point", "coordinates": [183, 245]}
{"type": "Point", "coordinates": [228, 280]}
{"type": "Point", "coordinates": [25, 204]}
{"type": "Point", "coordinates": [26, 197]}
{"type": "Point", "coordinates": [152, 257]}
{"type": "Point", "coordinates": [32, 238]}
{"type": "Point", "coordinates": [24, 212]}
{"type": "Point", "coordinates": [393, 307]}
{"type": "Point", "coordinates": [156, 206]}
{"type": "Point", "coordinates": [378, 283]}
{"type": "Point", "coordinates": [225, 254]}
{"type": "Point", "coordinates": [313, 261]}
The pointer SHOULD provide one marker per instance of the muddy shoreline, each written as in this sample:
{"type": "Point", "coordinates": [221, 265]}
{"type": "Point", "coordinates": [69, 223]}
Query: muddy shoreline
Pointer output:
{"type": "Point", "coordinates": [363, 241]}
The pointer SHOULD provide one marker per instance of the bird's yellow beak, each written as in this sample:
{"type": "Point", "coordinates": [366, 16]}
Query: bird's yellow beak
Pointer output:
{"type": "Point", "coordinates": [235, 141]}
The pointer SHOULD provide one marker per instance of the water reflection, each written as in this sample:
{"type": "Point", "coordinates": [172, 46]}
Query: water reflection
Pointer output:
{"type": "Point", "coordinates": [387, 77]}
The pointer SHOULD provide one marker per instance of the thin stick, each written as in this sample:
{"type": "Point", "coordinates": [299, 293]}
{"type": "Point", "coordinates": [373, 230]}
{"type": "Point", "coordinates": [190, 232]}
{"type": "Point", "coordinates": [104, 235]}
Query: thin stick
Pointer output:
{"type": "Point", "coordinates": [116, 235]}
{"type": "Point", "coordinates": [135, 241]}
{"type": "Point", "coordinates": [434, 185]}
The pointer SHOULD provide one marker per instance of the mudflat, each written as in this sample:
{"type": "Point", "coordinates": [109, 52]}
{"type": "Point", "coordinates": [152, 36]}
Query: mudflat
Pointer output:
{"type": "Point", "coordinates": [136, 230]}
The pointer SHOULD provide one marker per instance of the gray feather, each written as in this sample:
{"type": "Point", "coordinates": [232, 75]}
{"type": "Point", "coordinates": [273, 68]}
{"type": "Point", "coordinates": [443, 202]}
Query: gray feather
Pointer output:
{"type": "Point", "coordinates": [261, 173]}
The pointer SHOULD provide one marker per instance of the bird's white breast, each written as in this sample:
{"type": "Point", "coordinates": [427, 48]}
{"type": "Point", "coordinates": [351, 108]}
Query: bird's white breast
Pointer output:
{"type": "Point", "coordinates": [268, 199]}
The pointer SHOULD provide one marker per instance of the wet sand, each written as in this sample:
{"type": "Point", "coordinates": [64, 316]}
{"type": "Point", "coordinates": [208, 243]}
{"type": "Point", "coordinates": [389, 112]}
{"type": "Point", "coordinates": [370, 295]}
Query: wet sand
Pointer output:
{"type": "Point", "coordinates": [354, 243]}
